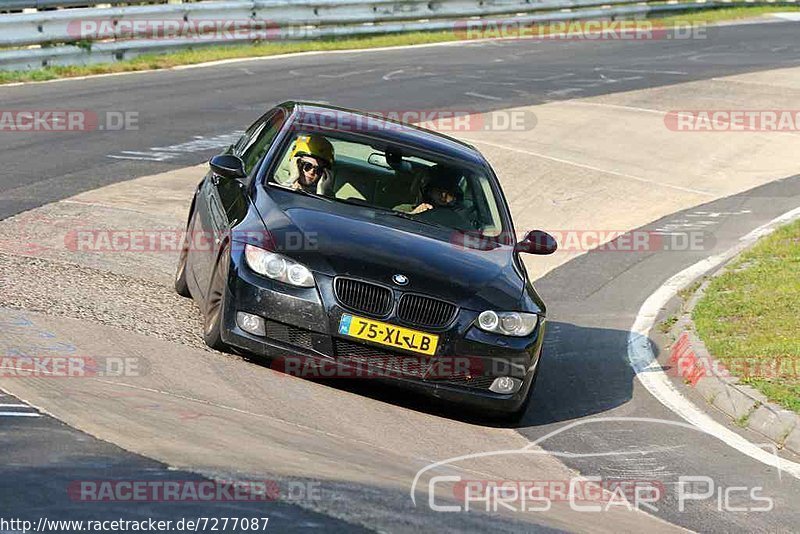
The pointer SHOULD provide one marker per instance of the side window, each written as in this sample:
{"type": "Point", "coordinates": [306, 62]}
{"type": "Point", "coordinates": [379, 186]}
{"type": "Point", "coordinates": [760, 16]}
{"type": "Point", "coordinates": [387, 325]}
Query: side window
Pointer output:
{"type": "Point", "coordinates": [246, 137]}
{"type": "Point", "coordinates": [252, 146]}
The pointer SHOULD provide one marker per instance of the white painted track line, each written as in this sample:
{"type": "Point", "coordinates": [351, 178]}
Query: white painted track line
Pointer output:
{"type": "Point", "coordinates": [485, 97]}
{"type": "Point", "coordinates": [652, 376]}
{"type": "Point", "coordinates": [6, 405]}
{"type": "Point", "coordinates": [591, 167]}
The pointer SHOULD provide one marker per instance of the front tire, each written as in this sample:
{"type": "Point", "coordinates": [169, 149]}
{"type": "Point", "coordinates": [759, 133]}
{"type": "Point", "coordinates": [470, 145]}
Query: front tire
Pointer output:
{"type": "Point", "coordinates": [215, 304]}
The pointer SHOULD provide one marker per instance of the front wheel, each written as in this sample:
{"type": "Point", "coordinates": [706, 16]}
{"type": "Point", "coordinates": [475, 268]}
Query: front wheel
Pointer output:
{"type": "Point", "coordinates": [215, 304]}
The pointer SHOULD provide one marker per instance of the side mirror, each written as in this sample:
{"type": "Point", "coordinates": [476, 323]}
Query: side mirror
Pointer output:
{"type": "Point", "coordinates": [537, 242]}
{"type": "Point", "coordinates": [227, 166]}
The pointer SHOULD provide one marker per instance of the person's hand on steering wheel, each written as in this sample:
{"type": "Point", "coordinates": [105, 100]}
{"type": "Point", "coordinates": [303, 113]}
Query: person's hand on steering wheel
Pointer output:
{"type": "Point", "coordinates": [419, 209]}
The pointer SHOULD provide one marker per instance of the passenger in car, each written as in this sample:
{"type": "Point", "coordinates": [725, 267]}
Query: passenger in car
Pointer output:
{"type": "Point", "coordinates": [440, 191]}
{"type": "Point", "coordinates": [310, 167]}
{"type": "Point", "coordinates": [442, 199]}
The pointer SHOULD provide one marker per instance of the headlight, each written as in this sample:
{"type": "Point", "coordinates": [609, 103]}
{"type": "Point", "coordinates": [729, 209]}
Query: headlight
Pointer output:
{"type": "Point", "coordinates": [278, 267]}
{"type": "Point", "coordinates": [517, 324]}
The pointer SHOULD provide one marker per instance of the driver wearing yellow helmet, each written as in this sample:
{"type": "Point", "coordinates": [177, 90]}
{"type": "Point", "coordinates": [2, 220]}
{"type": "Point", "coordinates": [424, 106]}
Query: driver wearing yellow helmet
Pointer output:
{"type": "Point", "coordinates": [310, 165]}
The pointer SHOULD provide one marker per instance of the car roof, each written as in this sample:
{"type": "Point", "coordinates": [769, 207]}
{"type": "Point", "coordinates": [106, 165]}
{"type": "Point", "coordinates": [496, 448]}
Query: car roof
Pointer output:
{"type": "Point", "coordinates": [387, 130]}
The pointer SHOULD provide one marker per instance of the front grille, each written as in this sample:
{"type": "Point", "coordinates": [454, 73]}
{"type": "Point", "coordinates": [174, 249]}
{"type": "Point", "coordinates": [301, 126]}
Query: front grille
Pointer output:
{"type": "Point", "coordinates": [425, 312]}
{"type": "Point", "coordinates": [364, 297]}
{"type": "Point", "coordinates": [392, 364]}
{"type": "Point", "coordinates": [474, 382]}
{"type": "Point", "coordinates": [288, 334]}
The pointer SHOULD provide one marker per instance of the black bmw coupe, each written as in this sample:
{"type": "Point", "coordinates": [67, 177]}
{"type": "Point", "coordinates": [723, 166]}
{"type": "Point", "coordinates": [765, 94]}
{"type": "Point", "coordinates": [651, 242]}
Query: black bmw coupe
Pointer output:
{"type": "Point", "coordinates": [345, 244]}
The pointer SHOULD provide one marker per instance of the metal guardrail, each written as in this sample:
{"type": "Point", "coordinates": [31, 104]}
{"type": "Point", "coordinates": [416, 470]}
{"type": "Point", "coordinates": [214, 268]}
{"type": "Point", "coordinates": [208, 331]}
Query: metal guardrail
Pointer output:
{"type": "Point", "coordinates": [125, 32]}
{"type": "Point", "coordinates": [64, 26]}
{"type": "Point", "coordinates": [13, 5]}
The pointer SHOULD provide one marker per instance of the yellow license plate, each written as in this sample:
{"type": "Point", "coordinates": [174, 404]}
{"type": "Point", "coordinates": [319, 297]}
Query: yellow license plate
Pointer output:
{"type": "Point", "coordinates": [388, 334]}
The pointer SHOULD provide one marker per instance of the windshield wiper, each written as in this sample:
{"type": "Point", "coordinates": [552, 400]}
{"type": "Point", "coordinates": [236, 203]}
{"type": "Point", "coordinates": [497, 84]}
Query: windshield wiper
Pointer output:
{"type": "Point", "coordinates": [389, 211]}
{"type": "Point", "coordinates": [358, 202]}
{"type": "Point", "coordinates": [407, 216]}
{"type": "Point", "coordinates": [362, 204]}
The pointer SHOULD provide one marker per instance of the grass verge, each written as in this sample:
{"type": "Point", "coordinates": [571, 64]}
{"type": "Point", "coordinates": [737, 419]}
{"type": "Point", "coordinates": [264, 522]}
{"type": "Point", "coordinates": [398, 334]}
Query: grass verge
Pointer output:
{"type": "Point", "coordinates": [216, 53]}
{"type": "Point", "coordinates": [749, 317]}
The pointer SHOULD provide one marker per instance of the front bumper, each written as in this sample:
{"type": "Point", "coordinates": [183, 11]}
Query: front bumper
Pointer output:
{"type": "Point", "coordinates": [302, 331]}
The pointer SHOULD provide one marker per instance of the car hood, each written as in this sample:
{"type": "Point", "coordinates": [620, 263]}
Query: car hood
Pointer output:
{"type": "Point", "coordinates": [345, 240]}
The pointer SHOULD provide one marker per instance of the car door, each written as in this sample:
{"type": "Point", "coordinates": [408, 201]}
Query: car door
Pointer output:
{"type": "Point", "coordinates": [222, 202]}
{"type": "Point", "coordinates": [202, 232]}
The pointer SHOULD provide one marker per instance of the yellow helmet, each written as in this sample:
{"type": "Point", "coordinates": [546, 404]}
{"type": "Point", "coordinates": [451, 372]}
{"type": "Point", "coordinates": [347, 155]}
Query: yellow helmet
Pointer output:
{"type": "Point", "coordinates": [313, 145]}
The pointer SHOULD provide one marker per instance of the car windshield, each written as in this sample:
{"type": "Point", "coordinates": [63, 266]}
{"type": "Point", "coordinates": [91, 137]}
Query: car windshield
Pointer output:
{"type": "Point", "coordinates": [393, 179]}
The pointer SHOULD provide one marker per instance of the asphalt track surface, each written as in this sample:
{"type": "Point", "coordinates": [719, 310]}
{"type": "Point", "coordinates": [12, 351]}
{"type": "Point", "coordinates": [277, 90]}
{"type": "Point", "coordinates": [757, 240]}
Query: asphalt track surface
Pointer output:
{"type": "Point", "coordinates": [595, 298]}
{"type": "Point", "coordinates": [592, 299]}
{"type": "Point", "coordinates": [42, 457]}
{"type": "Point", "coordinates": [175, 107]}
